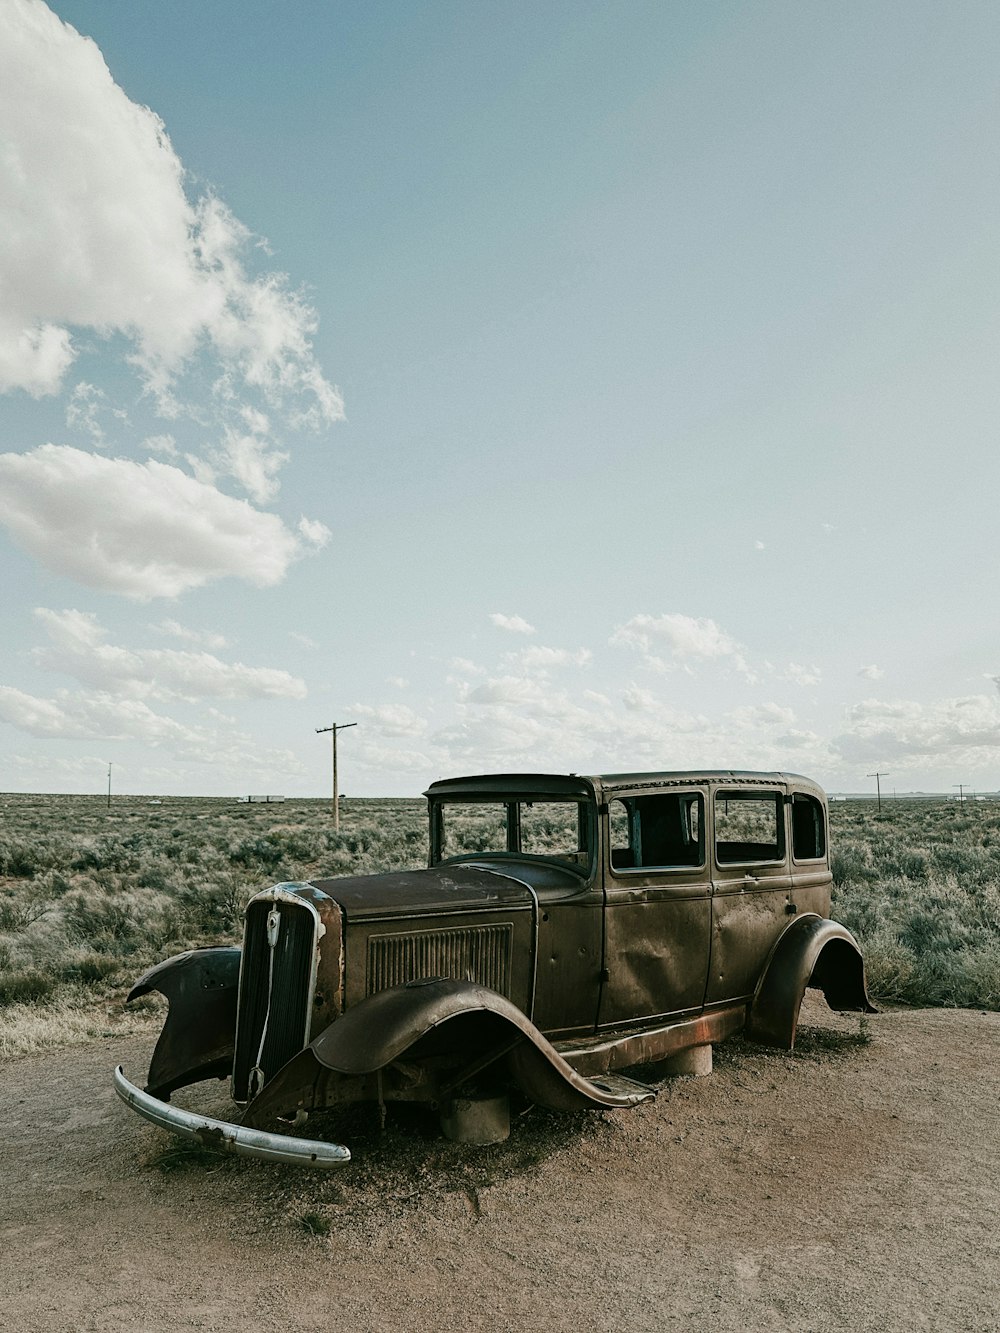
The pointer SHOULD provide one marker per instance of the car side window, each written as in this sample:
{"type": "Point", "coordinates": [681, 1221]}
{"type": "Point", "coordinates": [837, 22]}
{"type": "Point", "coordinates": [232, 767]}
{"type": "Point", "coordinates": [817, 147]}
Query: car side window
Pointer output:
{"type": "Point", "coordinates": [661, 832]}
{"type": "Point", "coordinates": [808, 828]}
{"type": "Point", "coordinates": [748, 826]}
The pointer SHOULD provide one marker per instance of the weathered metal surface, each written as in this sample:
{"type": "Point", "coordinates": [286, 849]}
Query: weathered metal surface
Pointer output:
{"type": "Point", "coordinates": [197, 1038]}
{"type": "Point", "coordinates": [480, 953]}
{"type": "Point", "coordinates": [436, 892]}
{"type": "Point", "coordinates": [281, 956]}
{"type": "Point", "coordinates": [812, 951]}
{"type": "Point", "coordinates": [448, 1024]}
{"type": "Point", "coordinates": [225, 1137]}
{"type": "Point", "coordinates": [621, 1050]}
{"type": "Point", "coordinates": [613, 921]}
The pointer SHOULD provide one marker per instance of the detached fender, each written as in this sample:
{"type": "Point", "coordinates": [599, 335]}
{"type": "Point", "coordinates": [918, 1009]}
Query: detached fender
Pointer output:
{"type": "Point", "coordinates": [200, 1031]}
{"type": "Point", "coordinates": [813, 951]}
{"type": "Point", "coordinates": [465, 1026]}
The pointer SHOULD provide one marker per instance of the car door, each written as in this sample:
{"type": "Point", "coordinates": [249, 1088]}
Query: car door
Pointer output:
{"type": "Point", "coordinates": [657, 905]}
{"type": "Point", "coordinates": [751, 886]}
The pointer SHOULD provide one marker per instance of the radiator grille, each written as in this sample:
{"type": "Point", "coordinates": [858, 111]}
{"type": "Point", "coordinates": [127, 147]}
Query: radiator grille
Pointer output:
{"type": "Point", "coordinates": [477, 953]}
{"type": "Point", "coordinates": [291, 991]}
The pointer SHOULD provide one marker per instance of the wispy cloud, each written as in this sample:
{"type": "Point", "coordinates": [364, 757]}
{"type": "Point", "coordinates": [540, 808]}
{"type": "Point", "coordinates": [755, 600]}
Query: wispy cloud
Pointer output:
{"type": "Point", "coordinates": [204, 638]}
{"type": "Point", "coordinates": [801, 675]}
{"type": "Point", "coordinates": [78, 647]}
{"type": "Point", "coordinates": [684, 640]}
{"type": "Point", "coordinates": [539, 658]}
{"type": "Point", "coordinates": [512, 624]}
{"type": "Point", "coordinates": [904, 732]}
{"type": "Point", "coordinates": [390, 719]}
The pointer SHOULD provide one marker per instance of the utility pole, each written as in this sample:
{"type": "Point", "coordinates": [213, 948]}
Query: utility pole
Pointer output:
{"type": "Point", "coordinates": [109, 786]}
{"type": "Point", "coordinates": [878, 785]}
{"type": "Point", "coordinates": [961, 791]}
{"type": "Point", "coordinates": [341, 726]}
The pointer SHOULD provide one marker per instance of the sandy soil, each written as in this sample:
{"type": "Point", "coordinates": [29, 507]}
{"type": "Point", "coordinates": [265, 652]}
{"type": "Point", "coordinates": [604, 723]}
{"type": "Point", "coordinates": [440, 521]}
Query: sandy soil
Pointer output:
{"type": "Point", "coordinates": [846, 1187]}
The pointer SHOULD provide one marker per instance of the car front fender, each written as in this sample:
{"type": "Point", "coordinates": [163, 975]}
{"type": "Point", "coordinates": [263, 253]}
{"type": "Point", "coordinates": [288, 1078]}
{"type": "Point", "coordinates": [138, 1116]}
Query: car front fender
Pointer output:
{"type": "Point", "coordinates": [198, 1036]}
{"type": "Point", "coordinates": [813, 951]}
{"type": "Point", "coordinates": [468, 1027]}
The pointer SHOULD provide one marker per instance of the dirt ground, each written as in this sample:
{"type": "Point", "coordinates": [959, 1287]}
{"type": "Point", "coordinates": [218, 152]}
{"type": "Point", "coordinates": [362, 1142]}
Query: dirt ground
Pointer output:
{"type": "Point", "coordinates": [849, 1186]}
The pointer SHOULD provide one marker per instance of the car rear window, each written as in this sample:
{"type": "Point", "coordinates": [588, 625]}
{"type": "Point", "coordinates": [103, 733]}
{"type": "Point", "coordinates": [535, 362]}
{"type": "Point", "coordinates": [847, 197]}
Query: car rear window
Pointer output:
{"type": "Point", "coordinates": [748, 826]}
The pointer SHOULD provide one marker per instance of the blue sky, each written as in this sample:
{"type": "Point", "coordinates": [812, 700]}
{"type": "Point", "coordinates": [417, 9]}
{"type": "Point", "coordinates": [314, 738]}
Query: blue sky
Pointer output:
{"type": "Point", "coordinates": [565, 387]}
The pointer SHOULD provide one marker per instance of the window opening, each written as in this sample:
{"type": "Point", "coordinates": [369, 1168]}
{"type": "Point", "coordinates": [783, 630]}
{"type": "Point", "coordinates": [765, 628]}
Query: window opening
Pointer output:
{"type": "Point", "coordinates": [559, 830]}
{"type": "Point", "coordinates": [748, 827]}
{"type": "Point", "coordinates": [662, 832]}
{"type": "Point", "coordinates": [808, 828]}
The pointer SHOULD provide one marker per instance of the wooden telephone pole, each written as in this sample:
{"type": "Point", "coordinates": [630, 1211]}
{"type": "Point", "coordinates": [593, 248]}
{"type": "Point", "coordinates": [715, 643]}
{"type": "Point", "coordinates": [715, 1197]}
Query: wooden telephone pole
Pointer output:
{"type": "Point", "coordinates": [878, 776]}
{"type": "Point", "coordinates": [336, 726]}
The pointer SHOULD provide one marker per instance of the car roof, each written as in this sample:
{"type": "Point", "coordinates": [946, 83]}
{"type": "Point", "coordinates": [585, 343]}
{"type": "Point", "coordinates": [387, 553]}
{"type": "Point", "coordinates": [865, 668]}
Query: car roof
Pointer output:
{"type": "Point", "coordinates": [573, 784]}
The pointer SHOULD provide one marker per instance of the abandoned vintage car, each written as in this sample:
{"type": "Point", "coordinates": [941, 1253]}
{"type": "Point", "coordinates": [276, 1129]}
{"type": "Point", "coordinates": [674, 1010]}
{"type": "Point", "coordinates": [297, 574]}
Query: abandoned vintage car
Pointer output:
{"type": "Point", "coordinates": [566, 928]}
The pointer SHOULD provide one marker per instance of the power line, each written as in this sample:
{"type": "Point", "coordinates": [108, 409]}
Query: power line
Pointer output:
{"type": "Point", "coordinates": [878, 785]}
{"type": "Point", "coordinates": [333, 729]}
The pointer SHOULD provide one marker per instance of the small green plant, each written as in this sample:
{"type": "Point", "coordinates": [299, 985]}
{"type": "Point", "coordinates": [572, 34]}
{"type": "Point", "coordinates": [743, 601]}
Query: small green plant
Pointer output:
{"type": "Point", "coordinates": [186, 1155]}
{"type": "Point", "coordinates": [314, 1224]}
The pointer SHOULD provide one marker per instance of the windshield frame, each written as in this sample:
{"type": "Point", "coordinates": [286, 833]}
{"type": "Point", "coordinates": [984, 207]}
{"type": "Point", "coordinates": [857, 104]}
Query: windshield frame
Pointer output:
{"type": "Point", "coordinates": [513, 803]}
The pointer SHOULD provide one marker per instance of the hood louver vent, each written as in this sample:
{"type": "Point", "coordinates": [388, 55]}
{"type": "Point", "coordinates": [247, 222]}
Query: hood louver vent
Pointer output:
{"type": "Point", "coordinates": [477, 953]}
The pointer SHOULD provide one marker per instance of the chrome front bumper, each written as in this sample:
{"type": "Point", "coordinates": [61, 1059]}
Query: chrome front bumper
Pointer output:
{"type": "Point", "coordinates": [227, 1137]}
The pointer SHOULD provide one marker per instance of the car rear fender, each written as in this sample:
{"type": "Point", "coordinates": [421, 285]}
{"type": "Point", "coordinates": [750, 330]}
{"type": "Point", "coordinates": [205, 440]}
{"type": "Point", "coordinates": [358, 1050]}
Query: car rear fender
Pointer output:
{"type": "Point", "coordinates": [197, 1040]}
{"type": "Point", "coordinates": [458, 1025]}
{"type": "Point", "coordinates": [813, 951]}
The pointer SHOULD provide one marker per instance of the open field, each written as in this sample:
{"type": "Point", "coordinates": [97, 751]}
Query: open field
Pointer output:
{"type": "Point", "coordinates": [90, 895]}
{"type": "Point", "coordinates": [840, 1186]}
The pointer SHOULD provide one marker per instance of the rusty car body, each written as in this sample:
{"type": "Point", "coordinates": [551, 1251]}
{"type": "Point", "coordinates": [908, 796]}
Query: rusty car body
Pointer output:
{"type": "Point", "coordinates": [565, 928]}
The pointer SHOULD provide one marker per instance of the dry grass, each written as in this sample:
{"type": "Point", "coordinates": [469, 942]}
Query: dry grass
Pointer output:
{"type": "Point", "coordinates": [69, 1020]}
{"type": "Point", "coordinates": [90, 897]}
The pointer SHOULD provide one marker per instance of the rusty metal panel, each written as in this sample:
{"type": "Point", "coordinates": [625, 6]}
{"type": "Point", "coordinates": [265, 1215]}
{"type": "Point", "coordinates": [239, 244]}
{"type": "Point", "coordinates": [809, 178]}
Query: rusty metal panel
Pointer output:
{"type": "Point", "coordinates": [470, 953]}
{"type": "Point", "coordinates": [451, 945]}
{"type": "Point", "coordinates": [197, 1037]}
{"type": "Point", "coordinates": [569, 961]}
{"type": "Point", "coordinates": [656, 954]}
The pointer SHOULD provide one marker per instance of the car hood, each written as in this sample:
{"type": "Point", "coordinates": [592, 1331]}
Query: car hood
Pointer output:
{"type": "Point", "coordinates": [442, 889]}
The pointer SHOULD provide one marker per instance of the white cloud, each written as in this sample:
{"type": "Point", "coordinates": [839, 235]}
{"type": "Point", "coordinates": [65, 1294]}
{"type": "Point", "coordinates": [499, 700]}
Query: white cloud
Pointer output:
{"type": "Point", "coordinates": [90, 716]}
{"type": "Point", "coordinates": [638, 700]}
{"type": "Point", "coordinates": [511, 690]}
{"type": "Point", "coordinates": [802, 675]}
{"type": "Point", "coordinates": [86, 405]}
{"type": "Point", "coordinates": [872, 672]}
{"type": "Point", "coordinates": [391, 719]}
{"type": "Point", "coordinates": [314, 532]}
{"type": "Point", "coordinates": [97, 232]}
{"type": "Point", "coordinates": [104, 717]}
{"type": "Point", "coordinates": [251, 461]}
{"type": "Point", "coordinates": [759, 546]}
{"type": "Point", "coordinates": [685, 638]}
{"type": "Point", "coordinates": [161, 444]}
{"type": "Point", "coordinates": [466, 667]}
{"type": "Point", "coordinates": [206, 638]}
{"type": "Point", "coordinates": [965, 731]}
{"type": "Point", "coordinates": [140, 529]}
{"type": "Point", "coordinates": [538, 658]}
{"type": "Point", "coordinates": [78, 648]}
{"type": "Point", "coordinates": [303, 640]}
{"type": "Point", "coordinates": [512, 624]}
